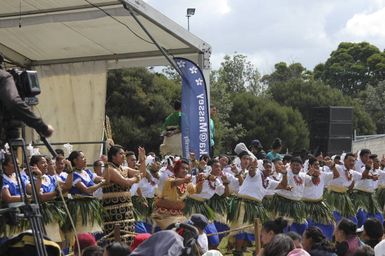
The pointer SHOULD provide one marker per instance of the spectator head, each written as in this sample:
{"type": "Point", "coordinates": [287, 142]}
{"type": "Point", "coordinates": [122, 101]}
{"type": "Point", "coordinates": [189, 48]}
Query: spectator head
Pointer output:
{"type": "Point", "coordinates": [199, 221]}
{"type": "Point", "coordinates": [117, 249]}
{"type": "Point", "coordinates": [276, 146]}
{"type": "Point", "coordinates": [93, 250]}
{"type": "Point", "coordinates": [373, 232]}
{"type": "Point", "coordinates": [272, 228]}
{"type": "Point", "coordinates": [364, 250]}
{"type": "Point", "coordinates": [77, 159]}
{"type": "Point", "coordinates": [85, 240]}
{"type": "Point", "coordinates": [297, 239]}
{"type": "Point", "coordinates": [280, 245]}
{"type": "Point", "coordinates": [256, 144]}
{"type": "Point", "coordinates": [138, 239]}
{"type": "Point", "coordinates": [345, 229]}
{"type": "Point", "coordinates": [311, 237]}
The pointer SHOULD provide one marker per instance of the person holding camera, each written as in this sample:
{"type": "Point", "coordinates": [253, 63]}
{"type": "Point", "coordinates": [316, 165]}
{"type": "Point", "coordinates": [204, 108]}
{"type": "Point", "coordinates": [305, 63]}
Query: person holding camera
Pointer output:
{"type": "Point", "coordinates": [13, 107]}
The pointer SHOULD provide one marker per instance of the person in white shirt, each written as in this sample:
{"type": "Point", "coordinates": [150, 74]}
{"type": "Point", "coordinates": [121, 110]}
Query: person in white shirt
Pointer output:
{"type": "Point", "coordinates": [380, 191]}
{"type": "Point", "coordinates": [363, 196]}
{"type": "Point", "coordinates": [165, 171]}
{"type": "Point", "coordinates": [247, 205]}
{"type": "Point", "coordinates": [317, 212]}
{"type": "Point", "coordinates": [277, 169]}
{"type": "Point", "coordinates": [288, 202]}
{"type": "Point", "coordinates": [337, 196]}
{"type": "Point", "coordinates": [360, 163]}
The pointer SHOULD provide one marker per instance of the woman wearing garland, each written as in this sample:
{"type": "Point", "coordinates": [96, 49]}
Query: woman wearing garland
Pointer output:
{"type": "Point", "coordinates": [170, 204]}
{"type": "Point", "coordinates": [210, 200]}
{"type": "Point", "coordinates": [317, 211]}
{"type": "Point", "coordinates": [247, 205]}
{"type": "Point", "coordinates": [84, 208]}
{"type": "Point", "coordinates": [337, 196]}
{"type": "Point", "coordinates": [116, 200]}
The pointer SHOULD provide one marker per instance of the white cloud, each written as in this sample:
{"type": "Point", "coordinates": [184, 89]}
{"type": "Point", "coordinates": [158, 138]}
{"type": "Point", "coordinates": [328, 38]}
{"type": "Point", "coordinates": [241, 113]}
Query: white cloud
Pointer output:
{"type": "Point", "coordinates": [367, 24]}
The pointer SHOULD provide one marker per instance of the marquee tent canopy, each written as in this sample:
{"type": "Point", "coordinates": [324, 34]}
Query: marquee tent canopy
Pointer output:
{"type": "Point", "coordinates": [40, 32]}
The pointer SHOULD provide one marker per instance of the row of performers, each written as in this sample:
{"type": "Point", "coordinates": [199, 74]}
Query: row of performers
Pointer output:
{"type": "Point", "coordinates": [231, 196]}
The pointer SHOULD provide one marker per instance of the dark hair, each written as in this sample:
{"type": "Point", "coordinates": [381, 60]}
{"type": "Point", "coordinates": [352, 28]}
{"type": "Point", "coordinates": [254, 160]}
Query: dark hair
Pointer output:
{"type": "Point", "coordinates": [319, 240]}
{"type": "Point", "coordinates": [374, 230]}
{"type": "Point", "coordinates": [347, 226]}
{"type": "Point", "coordinates": [312, 160]}
{"type": "Point", "coordinates": [349, 154]}
{"type": "Point", "coordinates": [364, 152]}
{"type": "Point", "coordinates": [287, 158]}
{"type": "Point", "coordinates": [280, 245]}
{"type": "Point", "coordinates": [277, 225]}
{"type": "Point", "coordinates": [213, 161]}
{"type": "Point", "coordinates": [93, 250]}
{"type": "Point", "coordinates": [130, 153]}
{"type": "Point", "coordinates": [74, 154]}
{"type": "Point", "coordinates": [266, 161]}
{"type": "Point", "coordinates": [97, 163]}
{"type": "Point", "coordinates": [59, 157]}
{"type": "Point", "coordinates": [373, 156]}
{"type": "Point", "coordinates": [35, 159]}
{"type": "Point", "coordinates": [7, 159]}
{"type": "Point", "coordinates": [294, 236]}
{"type": "Point", "coordinates": [118, 249]}
{"type": "Point", "coordinates": [113, 151]}
{"type": "Point", "coordinates": [177, 105]}
{"type": "Point", "coordinates": [59, 151]}
{"type": "Point", "coordinates": [277, 143]}
{"type": "Point", "coordinates": [204, 157]}
{"type": "Point", "coordinates": [296, 160]}
{"type": "Point", "coordinates": [364, 250]}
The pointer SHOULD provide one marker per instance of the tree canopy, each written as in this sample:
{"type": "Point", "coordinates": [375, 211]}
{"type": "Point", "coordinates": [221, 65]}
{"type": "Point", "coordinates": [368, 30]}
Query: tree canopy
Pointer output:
{"type": "Point", "coordinates": [351, 67]}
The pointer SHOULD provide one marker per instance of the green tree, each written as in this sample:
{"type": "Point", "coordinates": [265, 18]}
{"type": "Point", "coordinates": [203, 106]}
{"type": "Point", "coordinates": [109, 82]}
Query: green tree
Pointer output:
{"type": "Point", "coordinates": [283, 73]}
{"type": "Point", "coordinates": [137, 103]}
{"type": "Point", "coordinates": [265, 119]}
{"type": "Point", "coordinates": [304, 95]}
{"type": "Point", "coordinates": [373, 99]}
{"type": "Point", "coordinates": [351, 67]}
{"type": "Point", "coordinates": [238, 75]}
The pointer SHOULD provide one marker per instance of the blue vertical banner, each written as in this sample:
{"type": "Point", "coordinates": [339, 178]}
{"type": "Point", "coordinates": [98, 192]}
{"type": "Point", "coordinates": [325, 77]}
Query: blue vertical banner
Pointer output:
{"type": "Point", "coordinates": [195, 121]}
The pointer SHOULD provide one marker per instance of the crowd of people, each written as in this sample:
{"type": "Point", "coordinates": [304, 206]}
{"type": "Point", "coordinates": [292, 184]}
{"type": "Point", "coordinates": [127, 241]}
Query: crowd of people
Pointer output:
{"type": "Point", "coordinates": [307, 204]}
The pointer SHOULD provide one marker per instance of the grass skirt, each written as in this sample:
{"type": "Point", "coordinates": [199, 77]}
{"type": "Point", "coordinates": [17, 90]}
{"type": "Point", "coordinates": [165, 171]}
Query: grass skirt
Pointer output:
{"type": "Point", "coordinates": [218, 204]}
{"type": "Point", "coordinates": [194, 206]}
{"type": "Point", "coordinates": [380, 196]}
{"type": "Point", "coordinates": [267, 203]}
{"type": "Point", "coordinates": [245, 211]}
{"type": "Point", "coordinates": [364, 201]}
{"type": "Point", "coordinates": [341, 203]}
{"type": "Point", "coordinates": [319, 212]}
{"type": "Point", "coordinates": [284, 207]}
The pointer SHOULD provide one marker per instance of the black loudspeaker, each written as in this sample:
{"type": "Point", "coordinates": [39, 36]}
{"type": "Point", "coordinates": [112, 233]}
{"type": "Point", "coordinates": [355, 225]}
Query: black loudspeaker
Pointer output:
{"type": "Point", "coordinates": [331, 130]}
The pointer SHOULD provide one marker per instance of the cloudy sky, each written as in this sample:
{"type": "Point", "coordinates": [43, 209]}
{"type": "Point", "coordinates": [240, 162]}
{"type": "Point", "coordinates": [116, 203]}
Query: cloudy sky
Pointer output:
{"type": "Point", "coordinates": [269, 31]}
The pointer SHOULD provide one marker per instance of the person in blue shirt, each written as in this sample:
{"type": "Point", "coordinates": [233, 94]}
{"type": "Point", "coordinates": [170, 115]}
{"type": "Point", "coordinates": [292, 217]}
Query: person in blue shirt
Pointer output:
{"type": "Point", "coordinates": [85, 182]}
{"type": "Point", "coordinates": [276, 147]}
{"type": "Point", "coordinates": [10, 189]}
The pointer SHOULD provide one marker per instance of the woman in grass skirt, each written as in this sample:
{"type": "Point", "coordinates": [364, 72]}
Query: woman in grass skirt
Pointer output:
{"type": "Point", "coordinates": [363, 195]}
{"type": "Point", "coordinates": [317, 211]}
{"type": "Point", "coordinates": [247, 205]}
{"type": "Point", "coordinates": [337, 196]}
{"type": "Point", "coordinates": [288, 202]}
{"type": "Point", "coordinates": [210, 200]}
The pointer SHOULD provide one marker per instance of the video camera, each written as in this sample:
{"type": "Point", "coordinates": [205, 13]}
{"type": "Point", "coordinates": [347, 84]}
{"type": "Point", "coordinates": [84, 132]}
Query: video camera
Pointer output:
{"type": "Point", "coordinates": [27, 84]}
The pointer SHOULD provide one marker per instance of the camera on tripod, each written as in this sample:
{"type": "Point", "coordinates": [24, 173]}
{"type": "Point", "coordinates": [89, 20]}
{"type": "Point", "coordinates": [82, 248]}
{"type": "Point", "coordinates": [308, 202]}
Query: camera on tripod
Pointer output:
{"type": "Point", "coordinates": [27, 84]}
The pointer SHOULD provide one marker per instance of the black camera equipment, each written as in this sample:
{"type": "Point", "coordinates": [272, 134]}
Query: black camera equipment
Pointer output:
{"type": "Point", "coordinates": [27, 84]}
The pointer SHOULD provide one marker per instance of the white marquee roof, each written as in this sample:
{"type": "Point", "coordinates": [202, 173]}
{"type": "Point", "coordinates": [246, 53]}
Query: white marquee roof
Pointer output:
{"type": "Point", "coordinates": [67, 31]}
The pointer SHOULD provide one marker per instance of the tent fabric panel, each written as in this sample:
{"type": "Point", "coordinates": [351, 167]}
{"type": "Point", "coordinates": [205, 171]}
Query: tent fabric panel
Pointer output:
{"type": "Point", "coordinates": [73, 101]}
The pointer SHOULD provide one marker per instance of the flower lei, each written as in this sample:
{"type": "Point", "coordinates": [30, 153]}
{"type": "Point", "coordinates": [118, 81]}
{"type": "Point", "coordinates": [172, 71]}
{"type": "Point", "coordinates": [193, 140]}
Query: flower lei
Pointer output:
{"type": "Point", "coordinates": [348, 175]}
{"type": "Point", "coordinates": [213, 187]}
{"type": "Point", "coordinates": [265, 182]}
{"type": "Point", "coordinates": [316, 180]}
{"type": "Point", "coordinates": [181, 188]}
{"type": "Point", "coordinates": [298, 180]}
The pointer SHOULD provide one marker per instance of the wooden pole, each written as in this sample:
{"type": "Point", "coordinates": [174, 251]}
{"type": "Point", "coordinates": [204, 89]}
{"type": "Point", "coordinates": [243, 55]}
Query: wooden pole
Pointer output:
{"type": "Point", "coordinates": [257, 232]}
